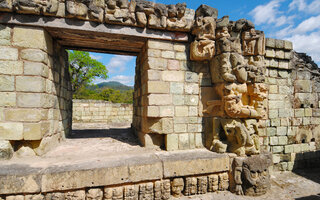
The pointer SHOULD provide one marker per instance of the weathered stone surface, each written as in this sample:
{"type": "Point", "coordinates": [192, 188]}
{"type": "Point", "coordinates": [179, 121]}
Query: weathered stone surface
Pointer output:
{"type": "Point", "coordinates": [8, 53]}
{"type": "Point", "coordinates": [11, 67]}
{"type": "Point", "coordinates": [6, 150]}
{"type": "Point", "coordinates": [11, 131]}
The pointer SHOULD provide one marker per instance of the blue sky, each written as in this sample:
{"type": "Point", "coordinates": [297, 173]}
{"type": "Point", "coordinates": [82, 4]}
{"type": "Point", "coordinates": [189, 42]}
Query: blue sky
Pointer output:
{"type": "Point", "coordinates": [294, 20]}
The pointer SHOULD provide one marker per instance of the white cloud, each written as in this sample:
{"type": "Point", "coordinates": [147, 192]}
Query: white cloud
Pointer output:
{"type": "Point", "coordinates": [301, 5]}
{"type": "Point", "coordinates": [97, 57]}
{"type": "Point", "coordinates": [127, 80]}
{"type": "Point", "coordinates": [311, 24]}
{"type": "Point", "coordinates": [118, 63]}
{"type": "Point", "coordinates": [298, 4]}
{"type": "Point", "coordinates": [270, 14]}
{"type": "Point", "coordinates": [307, 43]}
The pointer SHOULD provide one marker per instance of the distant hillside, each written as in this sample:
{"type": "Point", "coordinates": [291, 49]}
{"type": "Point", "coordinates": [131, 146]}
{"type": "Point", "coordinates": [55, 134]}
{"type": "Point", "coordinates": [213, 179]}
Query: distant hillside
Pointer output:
{"type": "Point", "coordinates": [114, 85]}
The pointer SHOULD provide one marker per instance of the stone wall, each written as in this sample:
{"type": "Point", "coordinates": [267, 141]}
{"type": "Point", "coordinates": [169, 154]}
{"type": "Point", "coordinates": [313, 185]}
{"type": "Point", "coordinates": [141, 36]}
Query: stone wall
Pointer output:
{"type": "Point", "coordinates": [293, 125]}
{"type": "Point", "coordinates": [167, 97]}
{"type": "Point", "coordinates": [34, 91]}
{"type": "Point", "coordinates": [95, 111]}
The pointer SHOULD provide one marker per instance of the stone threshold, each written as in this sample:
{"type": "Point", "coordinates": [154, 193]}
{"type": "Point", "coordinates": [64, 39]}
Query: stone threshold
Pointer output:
{"type": "Point", "coordinates": [43, 175]}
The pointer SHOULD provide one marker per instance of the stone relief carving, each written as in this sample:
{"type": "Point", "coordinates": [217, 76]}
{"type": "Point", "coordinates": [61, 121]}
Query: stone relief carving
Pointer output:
{"type": "Point", "coordinates": [177, 186]}
{"type": "Point", "coordinates": [191, 186]}
{"type": "Point", "coordinates": [213, 183]}
{"type": "Point", "coordinates": [251, 174]}
{"type": "Point", "coordinates": [94, 194]}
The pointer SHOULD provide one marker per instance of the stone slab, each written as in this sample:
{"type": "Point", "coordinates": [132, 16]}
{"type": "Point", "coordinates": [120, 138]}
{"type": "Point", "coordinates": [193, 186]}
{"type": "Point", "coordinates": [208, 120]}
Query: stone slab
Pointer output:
{"type": "Point", "coordinates": [47, 175]}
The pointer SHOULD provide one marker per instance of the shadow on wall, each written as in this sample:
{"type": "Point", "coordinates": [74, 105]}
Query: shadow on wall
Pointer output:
{"type": "Point", "coordinates": [308, 165]}
{"type": "Point", "coordinates": [121, 134]}
{"type": "Point", "coordinates": [312, 197]}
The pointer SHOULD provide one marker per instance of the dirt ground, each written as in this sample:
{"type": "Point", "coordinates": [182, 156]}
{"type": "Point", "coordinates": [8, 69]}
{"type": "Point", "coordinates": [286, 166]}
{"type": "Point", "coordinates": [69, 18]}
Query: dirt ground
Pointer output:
{"type": "Point", "coordinates": [91, 142]}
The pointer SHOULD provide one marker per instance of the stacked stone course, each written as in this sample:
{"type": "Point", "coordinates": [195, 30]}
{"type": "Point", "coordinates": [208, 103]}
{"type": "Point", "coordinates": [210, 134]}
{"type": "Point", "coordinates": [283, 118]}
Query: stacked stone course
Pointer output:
{"type": "Point", "coordinates": [293, 104]}
{"type": "Point", "coordinates": [34, 90]}
{"type": "Point", "coordinates": [167, 93]}
{"type": "Point", "coordinates": [96, 111]}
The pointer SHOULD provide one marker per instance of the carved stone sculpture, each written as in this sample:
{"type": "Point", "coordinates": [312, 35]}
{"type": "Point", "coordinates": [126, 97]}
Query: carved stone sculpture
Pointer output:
{"type": "Point", "coordinates": [96, 10]}
{"type": "Point", "coordinates": [213, 183]}
{"type": "Point", "coordinates": [203, 48]}
{"type": "Point", "coordinates": [176, 20]}
{"type": "Point", "coordinates": [166, 189]}
{"type": "Point", "coordinates": [113, 193]}
{"type": "Point", "coordinates": [177, 186]}
{"type": "Point", "coordinates": [202, 185]}
{"type": "Point", "coordinates": [146, 191]}
{"type": "Point", "coordinates": [94, 194]}
{"type": "Point", "coordinates": [253, 42]}
{"type": "Point", "coordinates": [55, 196]}
{"type": "Point", "coordinates": [131, 192]}
{"type": "Point", "coordinates": [223, 181]}
{"type": "Point", "coordinates": [251, 174]}
{"type": "Point", "coordinates": [74, 195]}
{"type": "Point", "coordinates": [157, 190]}
{"type": "Point", "coordinates": [28, 6]}
{"type": "Point", "coordinates": [120, 12]}
{"type": "Point", "coordinates": [190, 186]}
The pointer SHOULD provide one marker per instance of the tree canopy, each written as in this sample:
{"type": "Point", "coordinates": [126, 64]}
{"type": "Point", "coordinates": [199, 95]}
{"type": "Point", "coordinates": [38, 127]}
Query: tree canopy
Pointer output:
{"type": "Point", "coordinates": [83, 69]}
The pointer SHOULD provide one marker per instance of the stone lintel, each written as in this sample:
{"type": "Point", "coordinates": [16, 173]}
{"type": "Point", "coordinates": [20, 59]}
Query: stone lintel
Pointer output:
{"type": "Point", "coordinates": [126, 169]}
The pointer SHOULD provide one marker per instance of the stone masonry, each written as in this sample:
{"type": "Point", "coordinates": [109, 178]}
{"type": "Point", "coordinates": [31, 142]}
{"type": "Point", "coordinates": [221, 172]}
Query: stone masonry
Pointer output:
{"type": "Point", "coordinates": [97, 111]}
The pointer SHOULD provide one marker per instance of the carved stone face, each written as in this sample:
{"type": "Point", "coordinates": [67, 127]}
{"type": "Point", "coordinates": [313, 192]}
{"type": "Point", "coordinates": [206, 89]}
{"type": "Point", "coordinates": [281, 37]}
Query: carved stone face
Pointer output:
{"type": "Point", "coordinates": [94, 194]}
{"type": "Point", "coordinates": [177, 187]}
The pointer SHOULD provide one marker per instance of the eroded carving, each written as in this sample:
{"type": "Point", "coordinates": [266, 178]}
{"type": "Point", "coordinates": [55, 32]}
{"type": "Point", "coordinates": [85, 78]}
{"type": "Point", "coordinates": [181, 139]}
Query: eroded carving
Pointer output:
{"type": "Point", "coordinates": [203, 48]}
{"type": "Point", "coordinates": [131, 192]}
{"type": "Point", "coordinates": [166, 189]}
{"type": "Point", "coordinates": [223, 181]}
{"type": "Point", "coordinates": [55, 196]}
{"type": "Point", "coordinates": [94, 194]}
{"type": "Point", "coordinates": [251, 174]}
{"type": "Point", "coordinates": [213, 183]}
{"type": "Point", "coordinates": [146, 191]}
{"type": "Point", "coordinates": [74, 195]}
{"type": "Point", "coordinates": [113, 193]}
{"type": "Point", "coordinates": [5, 5]}
{"type": "Point", "coordinates": [177, 186]}
{"type": "Point", "coordinates": [202, 185]}
{"type": "Point", "coordinates": [190, 186]}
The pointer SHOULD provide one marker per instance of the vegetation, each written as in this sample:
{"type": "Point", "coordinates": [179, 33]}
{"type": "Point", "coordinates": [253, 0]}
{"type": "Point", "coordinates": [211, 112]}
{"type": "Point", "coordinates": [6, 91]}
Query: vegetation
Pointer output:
{"type": "Point", "coordinates": [83, 70]}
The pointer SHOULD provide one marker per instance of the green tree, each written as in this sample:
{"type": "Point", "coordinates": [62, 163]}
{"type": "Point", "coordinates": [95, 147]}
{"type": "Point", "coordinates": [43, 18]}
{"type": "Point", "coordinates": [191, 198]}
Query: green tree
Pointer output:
{"type": "Point", "coordinates": [83, 69]}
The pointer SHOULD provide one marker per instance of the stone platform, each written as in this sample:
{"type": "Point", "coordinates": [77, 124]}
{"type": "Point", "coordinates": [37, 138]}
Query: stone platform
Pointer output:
{"type": "Point", "coordinates": [109, 158]}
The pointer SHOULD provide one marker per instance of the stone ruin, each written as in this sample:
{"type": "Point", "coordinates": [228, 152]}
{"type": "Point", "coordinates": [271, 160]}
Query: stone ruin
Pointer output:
{"type": "Point", "coordinates": [200, 82]}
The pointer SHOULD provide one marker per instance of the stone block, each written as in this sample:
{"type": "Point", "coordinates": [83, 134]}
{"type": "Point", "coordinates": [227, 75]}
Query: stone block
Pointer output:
{"type": "Point", "coordinates": [168, 54]}
{"type": "Point", "coordinates": [32, 131]}
{"type": "Point", "coordinates": [34, 55]}
{"type": "Point", "coordinates": [281, 131]}
{"type": "Point", "coordinates": [7, 99]}
{"type": "Point", "coordinates": [274, 141]}
{"type": "Point", "coordinates": [303, 86]}
{"type": "Point", "coordinates": [277, 149]}
{"type": "Point", "coordinates": [157, 87]}
{"type": "Point", "coordinates": [166, 111]}
{"type": "Point", "coordinates": [192, 77]}
{"type": "Point", "coordinates": [283, 140]}
{"type": "Point", "coordinates": [30, 37]}
{"type": "Point", "coordinates": [8, 53]}
{"type": "Point", "coordinates": [180, 128]}
{"type": "Point", "coordinates": [288, 55]}
{"type": "Point", "coordinates": [184, 141]}
{"type": "Point", "coordinates": [193, 111]}
{"type": "Point", "coordinates": [270, 42]}
{"type": "Point", "coordinates": [273, 89]}
{"type": "Point", "coordinates": [273, 114]}
{"type": "Point", "coordinates": [308, 112]}
{"type": "Point", "coordinates": [191, 88]}
{"type": "Point", "coordinates": [280, 54]}
{"type": "Point", "coordinates": [181, 56]}
{"type": "Point", "coordinates": [5, 35]}
{"type": "Point", "coordinates": [6, 150]}
{"type": "Point", "coordinates": [174, 65]}
{"type": "Point", "coordinates": [276, 104]}
{"type": "Point", "coordinates": [154, 53]}
{"type": "Point", "coordinates": [11, 67]}
{"type": "Point", "coordinates": [288, 45]}
{"type": "Point", "coordinates": [176, 88]}
{"type": "Point", "coordinates": [284, 113]}
{"type": "Point", "coordinates": [30, 84]}
{"type": "Point", "coordinates": [179, 47]}
{"type": "Point", "coordinates": [192, 141]}
{"type": "Point", "coordinates": [276, 158]}
{"type": "Point", "coordinates": [153, 111]}
{"type": "Point", "coordinates": [159, 99]}
{"type": "Point", "coordinates": [279, 44]}
{"type": "Point", "coordinates": [172, 142]}
{"type": "Point", "coordinates": [299, 112]}
{"type": "Point", "coordinates": [11, 131]}
{"type": "Point", "coordinates": [153, 75]}
{"type": "Point", "coordinates": [36, 69]}
{"type": "Point", "coordinates": [284, 90]}
{"type": "Point", "coordinates": [271, 131]}
{"type": "Point", "coordinates": [181, 111]}
{"type": "Point", "coordinates": [270, 53]}
{"type": "Point", "coordinates": [174, 76]}
{"type": "Point", "coordinates": [23, 115]}
{"type": "Point", "coordinates": [275, 122]}
{"type": "Point", "coordinates": [29, 100]}
{"type": "Point", "coordinates": [288, 149]}
{"type": "Point", "coordinates": [199, 140]}
{"type": "Point", "coordinates": [163, 45]}
{"type": "Point", "coordinates": [6, 83]}
{"type": "Point", "coordinates": [191, 100]}
{"type": "Point", "coordinates": [178, 100]}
